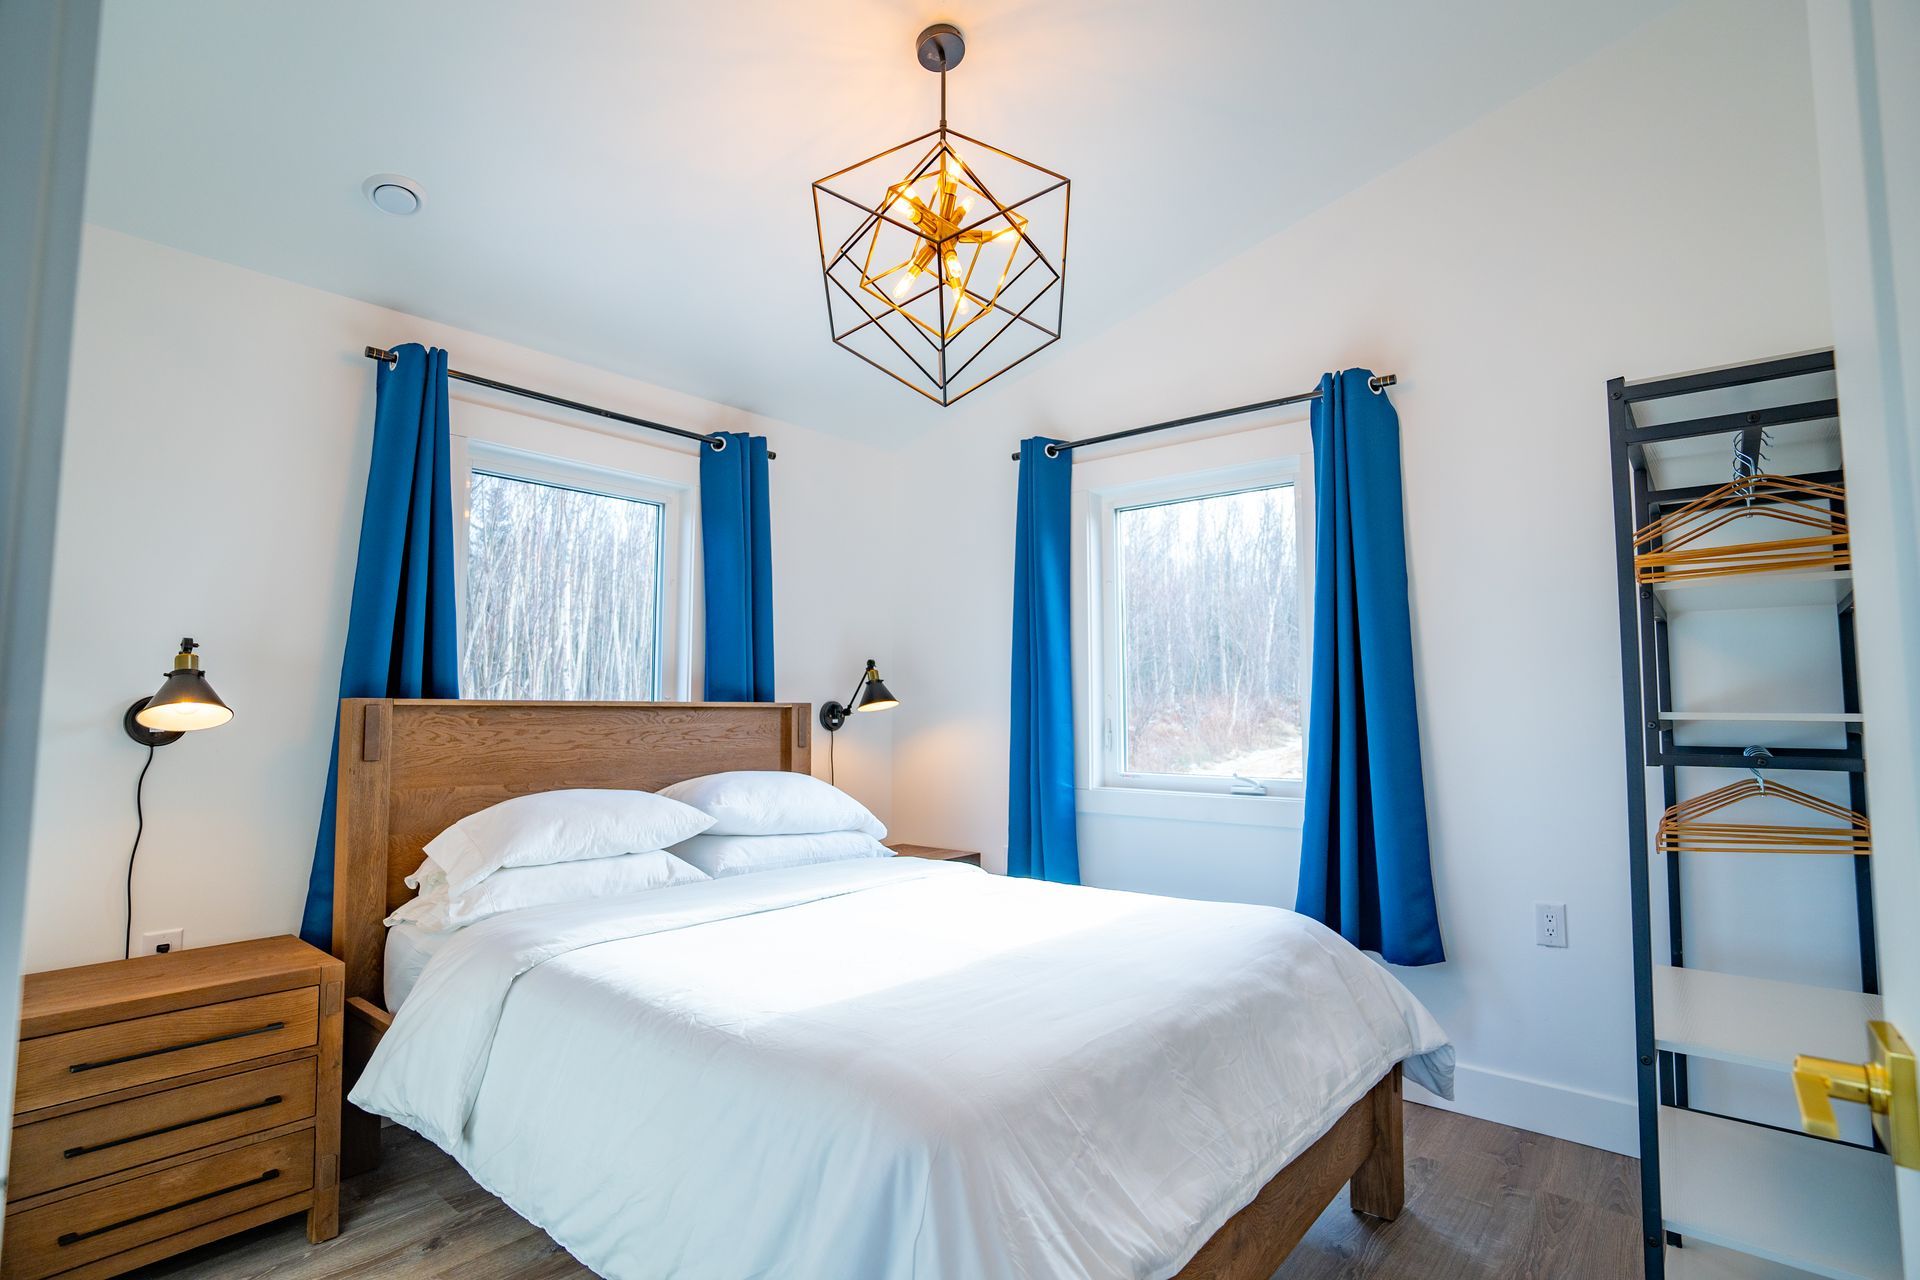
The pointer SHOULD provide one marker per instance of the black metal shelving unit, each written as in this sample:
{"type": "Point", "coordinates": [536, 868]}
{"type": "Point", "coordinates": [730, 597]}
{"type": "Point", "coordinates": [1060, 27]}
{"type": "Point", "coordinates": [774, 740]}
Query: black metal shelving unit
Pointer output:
{"type": "Point", "coordinates": [1644, 418]}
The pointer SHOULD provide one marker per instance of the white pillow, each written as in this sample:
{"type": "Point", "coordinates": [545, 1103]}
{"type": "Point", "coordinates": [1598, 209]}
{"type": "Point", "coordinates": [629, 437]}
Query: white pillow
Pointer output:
{"type": "Point", "coordinates": [753, 803]}
{"type": "Point", "coordinates": [438, 911]}
{"type": "Point", "coordinates": [721, 856]}
{"type": "Point", "coordinates": [560, 826]}
{"type": "Point", "coordinates": [429, 879]}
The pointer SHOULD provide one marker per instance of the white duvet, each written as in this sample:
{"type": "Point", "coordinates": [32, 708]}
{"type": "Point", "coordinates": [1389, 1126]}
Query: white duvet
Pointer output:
{"type": "Point", "coordinates": [889, 1069]}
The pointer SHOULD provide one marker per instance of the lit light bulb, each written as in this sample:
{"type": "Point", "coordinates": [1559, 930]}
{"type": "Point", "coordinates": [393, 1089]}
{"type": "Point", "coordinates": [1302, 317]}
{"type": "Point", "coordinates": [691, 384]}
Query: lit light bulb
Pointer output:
{"type": "Point", "coordinates": [904, 285]}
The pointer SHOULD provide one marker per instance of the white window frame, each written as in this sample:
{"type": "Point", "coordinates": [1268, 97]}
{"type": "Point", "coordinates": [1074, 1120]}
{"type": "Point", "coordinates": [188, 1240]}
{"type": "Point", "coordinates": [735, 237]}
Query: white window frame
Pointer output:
{"type": "Point", "coordinates": [1255, 459]}
{"type": "Point", "coordinates": [495, 440]}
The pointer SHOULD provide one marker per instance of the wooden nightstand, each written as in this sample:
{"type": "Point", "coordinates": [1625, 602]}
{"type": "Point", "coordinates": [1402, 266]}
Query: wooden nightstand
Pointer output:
{"type": "Point", "coordinates": [170, 1100]}
{"type": "Point", "coordinates": [935, 852]}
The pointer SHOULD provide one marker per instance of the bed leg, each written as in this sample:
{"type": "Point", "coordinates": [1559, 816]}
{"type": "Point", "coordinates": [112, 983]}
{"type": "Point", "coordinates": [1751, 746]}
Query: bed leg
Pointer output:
{"type": "Point", "coordinates": [359, 1141]}
{"type": "Point", "coordinates": [1380, 1183]}
{"type": "Point", "coordinates": [359, 1130]}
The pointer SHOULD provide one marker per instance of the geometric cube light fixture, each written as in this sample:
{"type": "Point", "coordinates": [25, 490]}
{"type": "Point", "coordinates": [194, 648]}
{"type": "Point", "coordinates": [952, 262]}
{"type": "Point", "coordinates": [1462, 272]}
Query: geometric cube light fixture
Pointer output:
{"type": "Point", "coordinates": [944, 258]}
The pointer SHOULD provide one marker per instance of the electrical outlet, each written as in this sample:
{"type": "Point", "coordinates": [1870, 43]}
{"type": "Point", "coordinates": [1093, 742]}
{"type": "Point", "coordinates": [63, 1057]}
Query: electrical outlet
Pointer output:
{"type": "Point", "coordinates": [1550, 924]}
{"type": "Point", "coordinates": [161, 941]}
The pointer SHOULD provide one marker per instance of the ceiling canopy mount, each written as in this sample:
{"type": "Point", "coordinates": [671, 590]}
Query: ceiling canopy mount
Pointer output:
{"type": "Point", "coordinates": [941, 47]}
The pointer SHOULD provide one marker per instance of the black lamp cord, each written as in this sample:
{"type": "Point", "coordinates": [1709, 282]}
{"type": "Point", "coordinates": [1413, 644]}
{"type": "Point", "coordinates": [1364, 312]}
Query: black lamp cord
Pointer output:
{"type": "Point", "coordinates": [853, 699]}
{"type": "Point", "coordinates": [139, 827]}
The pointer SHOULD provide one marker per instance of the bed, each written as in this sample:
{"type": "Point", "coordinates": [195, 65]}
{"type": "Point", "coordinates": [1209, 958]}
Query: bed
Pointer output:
{"type": "Point", "coordinates": [866, 1069]}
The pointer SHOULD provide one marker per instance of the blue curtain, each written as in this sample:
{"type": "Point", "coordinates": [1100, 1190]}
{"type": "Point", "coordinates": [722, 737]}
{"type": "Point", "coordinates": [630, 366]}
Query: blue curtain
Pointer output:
{"type": "Point", "coordinates": [736, 544]}
{"type": "Point", "coordinates": [401, 640]}
{"type": "Point", "coordinates": [1041, 838]}
{"type": "Point", "coordinates": [1364, 863]}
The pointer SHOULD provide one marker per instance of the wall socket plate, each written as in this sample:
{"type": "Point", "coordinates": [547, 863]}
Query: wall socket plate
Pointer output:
{"type": "Point", "coordinates": [162, 940]}
{"type": "Point", "coordinates": [1550, 924]}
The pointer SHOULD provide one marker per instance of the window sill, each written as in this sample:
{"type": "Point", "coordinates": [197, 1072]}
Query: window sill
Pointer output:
{"type": "Point", "coordinates": [1285, 812]}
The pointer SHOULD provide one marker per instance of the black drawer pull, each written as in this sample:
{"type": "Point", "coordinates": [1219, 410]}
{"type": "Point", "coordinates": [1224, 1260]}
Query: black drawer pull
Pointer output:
{"type": "Point", "coordinates": [178, 1048]}
{"type": "Point", "coordinates": [71, 1152]}
{"type": "Point", "coordinates": [75, 1237]}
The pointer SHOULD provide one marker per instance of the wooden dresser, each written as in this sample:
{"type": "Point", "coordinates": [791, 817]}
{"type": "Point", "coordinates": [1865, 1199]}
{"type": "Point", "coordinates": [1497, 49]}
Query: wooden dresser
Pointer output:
{"type": "Point", "coordinates": [169, 1100]}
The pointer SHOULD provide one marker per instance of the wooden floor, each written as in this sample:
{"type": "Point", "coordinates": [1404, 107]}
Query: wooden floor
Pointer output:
{"type": "Point", "coordinates": [1484, 1202]}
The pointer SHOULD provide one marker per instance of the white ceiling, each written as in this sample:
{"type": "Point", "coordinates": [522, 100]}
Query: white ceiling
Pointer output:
{"type": "Point", "coordinates": [626, 182]}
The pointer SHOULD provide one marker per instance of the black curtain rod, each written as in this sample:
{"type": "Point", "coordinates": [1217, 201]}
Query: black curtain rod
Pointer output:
{"type": "Point", "coordinates": [718, 442]}
{"type": "Point", "coordinates": [1377, 382]}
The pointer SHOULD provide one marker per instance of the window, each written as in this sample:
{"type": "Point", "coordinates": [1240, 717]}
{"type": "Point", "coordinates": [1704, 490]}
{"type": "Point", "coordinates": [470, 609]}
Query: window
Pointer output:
{"type": "Point", "coordinates": [1202, 636]}
{"type": "Point", "coordinates": [569, 575]}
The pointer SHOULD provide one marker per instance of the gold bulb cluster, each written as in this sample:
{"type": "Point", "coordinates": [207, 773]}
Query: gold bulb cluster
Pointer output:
{"type": "Point", "coordinates": [937, 218]}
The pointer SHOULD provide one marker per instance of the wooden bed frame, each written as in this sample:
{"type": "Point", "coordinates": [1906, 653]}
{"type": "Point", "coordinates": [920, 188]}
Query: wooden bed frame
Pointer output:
{"type": "Point", "coordinates": [411, 768]}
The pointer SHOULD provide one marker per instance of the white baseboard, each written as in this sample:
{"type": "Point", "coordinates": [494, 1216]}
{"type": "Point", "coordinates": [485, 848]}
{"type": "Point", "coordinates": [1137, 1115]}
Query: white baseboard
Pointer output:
{"type": "Point", "coordinates": [1590, 1119]}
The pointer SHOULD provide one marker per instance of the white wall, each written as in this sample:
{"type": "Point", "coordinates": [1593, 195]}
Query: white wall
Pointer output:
{"type": "Point", "coordinates": [1864, 53]}
{"type": "Point", "coordinates": [217, 442]}
{"type": "Point", "coordinates": [1653, 210]}
{"type": "Point", "coordinates": [47, 55]}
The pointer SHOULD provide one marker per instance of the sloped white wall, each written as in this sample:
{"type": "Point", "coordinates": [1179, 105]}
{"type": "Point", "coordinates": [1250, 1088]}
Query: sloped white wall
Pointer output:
{"type": "Point", "coordinates": [217, 440]}
{"type": "Point", "coordinates": [1656, 209]}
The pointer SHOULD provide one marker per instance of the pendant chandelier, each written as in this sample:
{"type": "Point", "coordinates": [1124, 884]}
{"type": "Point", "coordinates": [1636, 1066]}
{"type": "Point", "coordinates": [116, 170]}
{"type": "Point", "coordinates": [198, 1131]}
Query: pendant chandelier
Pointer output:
{"type": "Point", "coordinates": [944, 258]}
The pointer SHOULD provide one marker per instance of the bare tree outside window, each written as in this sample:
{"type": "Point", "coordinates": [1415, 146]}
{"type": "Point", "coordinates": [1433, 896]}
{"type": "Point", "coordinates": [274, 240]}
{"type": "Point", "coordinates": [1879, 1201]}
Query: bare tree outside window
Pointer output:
{"type": "Point", "coordinates": [563, 593]}
{"type": "Point", "coordinates": [1209, 592]}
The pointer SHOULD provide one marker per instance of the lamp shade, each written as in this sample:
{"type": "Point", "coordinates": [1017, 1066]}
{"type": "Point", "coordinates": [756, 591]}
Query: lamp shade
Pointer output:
{"type": "Point", "coordinates": [874, 695]}
{"type": "Point", "coordinates": [185, 702]}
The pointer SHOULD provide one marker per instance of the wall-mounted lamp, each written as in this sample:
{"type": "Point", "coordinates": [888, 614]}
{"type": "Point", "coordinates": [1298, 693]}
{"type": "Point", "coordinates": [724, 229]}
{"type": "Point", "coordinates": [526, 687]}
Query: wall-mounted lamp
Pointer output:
{"type": "Point", "coordinates": [871, 694]}
{"type": "Point", "coordinates": [185, 702]}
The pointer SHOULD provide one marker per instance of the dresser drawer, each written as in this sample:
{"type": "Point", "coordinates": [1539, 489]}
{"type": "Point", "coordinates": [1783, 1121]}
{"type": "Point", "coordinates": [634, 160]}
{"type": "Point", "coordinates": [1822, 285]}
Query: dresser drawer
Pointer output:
{"type": "Point", "coordinates": [86, 1144]}
{"type": "Point", "coordinates": [97, 1060]}
{"type": "Point", "coordinates": [97, 1224]}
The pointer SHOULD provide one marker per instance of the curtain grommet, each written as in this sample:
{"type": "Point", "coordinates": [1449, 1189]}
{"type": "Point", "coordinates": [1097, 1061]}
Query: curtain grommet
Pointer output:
{"type": "Point", "coordinates": [718, 444]}
{"type": "Point", "coordinates": [1052, 450]}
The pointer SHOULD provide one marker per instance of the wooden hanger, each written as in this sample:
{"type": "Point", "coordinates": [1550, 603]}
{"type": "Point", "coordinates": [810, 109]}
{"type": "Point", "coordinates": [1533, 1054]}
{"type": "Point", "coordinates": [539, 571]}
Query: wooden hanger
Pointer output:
{"type": "Point", "coordinates": [1682, 829]}
{"type": "Point", "coordinates": [1665, 550]}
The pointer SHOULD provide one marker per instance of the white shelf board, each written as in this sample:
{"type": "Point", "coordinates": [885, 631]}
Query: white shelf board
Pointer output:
{"type": "Point", "coordinates": [1824, 1207]}
{"type": "Point", "coordinates": [1771, 717]}
{"type": "Point", "coordinates": [1798, 588]}
{"type": "Point", "coordinates": [1705, 1262]}
{"type": "Point", "coordinates": [1757, 1022]}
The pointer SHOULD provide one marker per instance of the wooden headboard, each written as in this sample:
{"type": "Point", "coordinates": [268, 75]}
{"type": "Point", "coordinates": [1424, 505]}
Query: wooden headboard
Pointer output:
{"type": "Point", "coordinates": [409, 769]}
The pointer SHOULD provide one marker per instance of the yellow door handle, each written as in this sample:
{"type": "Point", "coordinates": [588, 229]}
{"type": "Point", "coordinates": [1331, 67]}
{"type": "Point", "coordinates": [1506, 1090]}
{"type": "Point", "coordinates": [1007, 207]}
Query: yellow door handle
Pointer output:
{"type": "Point", "coordinates": [1885, 1084]}
{"type": "Point", "coordinates": [1816, 1081]}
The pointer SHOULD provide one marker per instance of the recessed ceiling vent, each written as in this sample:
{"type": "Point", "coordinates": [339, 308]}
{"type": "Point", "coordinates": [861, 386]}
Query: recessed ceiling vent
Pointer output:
{"type": "Point", "coordinates": [393, 193]}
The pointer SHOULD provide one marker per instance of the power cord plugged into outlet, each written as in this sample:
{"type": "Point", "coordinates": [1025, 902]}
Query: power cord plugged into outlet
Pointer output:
{"type": "Point", "coordinates": [160, 942]}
